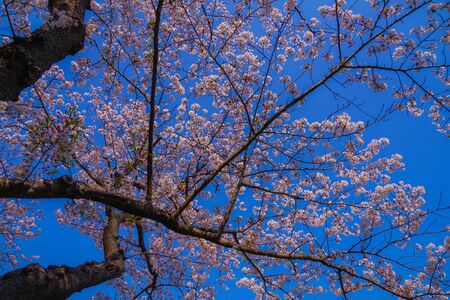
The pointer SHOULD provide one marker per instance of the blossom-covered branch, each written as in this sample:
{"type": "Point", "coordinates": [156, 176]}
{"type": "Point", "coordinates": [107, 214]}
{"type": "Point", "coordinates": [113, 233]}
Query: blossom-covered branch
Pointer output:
{"type": "Point", "coordinates": [233, 142]}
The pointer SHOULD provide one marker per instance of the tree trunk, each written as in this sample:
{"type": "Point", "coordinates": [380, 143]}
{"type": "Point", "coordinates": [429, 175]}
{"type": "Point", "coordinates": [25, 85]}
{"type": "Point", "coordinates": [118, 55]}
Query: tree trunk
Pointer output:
{"type": "Point", "coordinates": [24, 60]}
{"type": "Point", "coordinates": [35, 282]}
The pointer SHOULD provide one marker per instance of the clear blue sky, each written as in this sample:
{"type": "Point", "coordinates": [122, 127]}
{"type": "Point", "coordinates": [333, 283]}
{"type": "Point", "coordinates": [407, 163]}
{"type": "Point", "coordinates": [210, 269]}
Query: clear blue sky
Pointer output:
{"type": "Point", "coordinates": [426, 155]}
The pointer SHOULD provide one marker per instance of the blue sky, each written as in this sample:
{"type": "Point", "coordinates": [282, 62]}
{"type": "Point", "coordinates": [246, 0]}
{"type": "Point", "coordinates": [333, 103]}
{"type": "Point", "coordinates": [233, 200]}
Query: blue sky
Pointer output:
{"type": "Point", "coordinates": [425, 152]}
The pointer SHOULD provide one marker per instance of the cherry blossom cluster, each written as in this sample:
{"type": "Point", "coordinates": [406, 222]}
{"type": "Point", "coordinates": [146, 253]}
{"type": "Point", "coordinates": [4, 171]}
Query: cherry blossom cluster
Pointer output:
{"type": "Point", "coordinates": [290, 200]}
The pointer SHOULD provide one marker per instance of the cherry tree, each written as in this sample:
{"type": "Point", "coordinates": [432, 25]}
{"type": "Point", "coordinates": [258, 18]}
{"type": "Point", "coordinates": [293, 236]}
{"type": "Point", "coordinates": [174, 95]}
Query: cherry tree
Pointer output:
{"type": "Point", "coordinates": [176, 131]}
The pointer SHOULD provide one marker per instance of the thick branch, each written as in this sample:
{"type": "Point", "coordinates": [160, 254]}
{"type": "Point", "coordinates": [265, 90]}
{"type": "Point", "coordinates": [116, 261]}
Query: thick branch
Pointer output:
{"type": "Point", "coordinates": [24, 60]}
{"type": "Point", "coordinates": [55, 282]}
{"type": "Point", "coordinates": [65, 187]}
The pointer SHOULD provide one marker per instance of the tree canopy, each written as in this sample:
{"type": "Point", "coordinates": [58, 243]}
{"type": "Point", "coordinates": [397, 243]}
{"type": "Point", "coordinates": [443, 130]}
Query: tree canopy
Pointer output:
{"type": "Point", "coordinates": [203, 143]}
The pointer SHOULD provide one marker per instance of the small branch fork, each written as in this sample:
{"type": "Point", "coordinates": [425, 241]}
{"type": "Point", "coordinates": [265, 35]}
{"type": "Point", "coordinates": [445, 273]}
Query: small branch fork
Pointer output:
{"type": "Point", "coordinates": [141, 242]}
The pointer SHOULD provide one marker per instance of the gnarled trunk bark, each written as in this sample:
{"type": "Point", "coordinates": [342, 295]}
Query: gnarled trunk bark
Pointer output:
{"type": "Point", "coordinates": [24, 60]}
{"type": "Point", "coordinates": [34, 282]}
{"type": "Point", "coordinates": [55, 282]}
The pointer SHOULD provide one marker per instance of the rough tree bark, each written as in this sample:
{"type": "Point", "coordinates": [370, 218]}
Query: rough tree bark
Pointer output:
{"type": "Point", "coordinates": [34, 282]}
{"type": "Point", "coordinates": [24, 60]}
